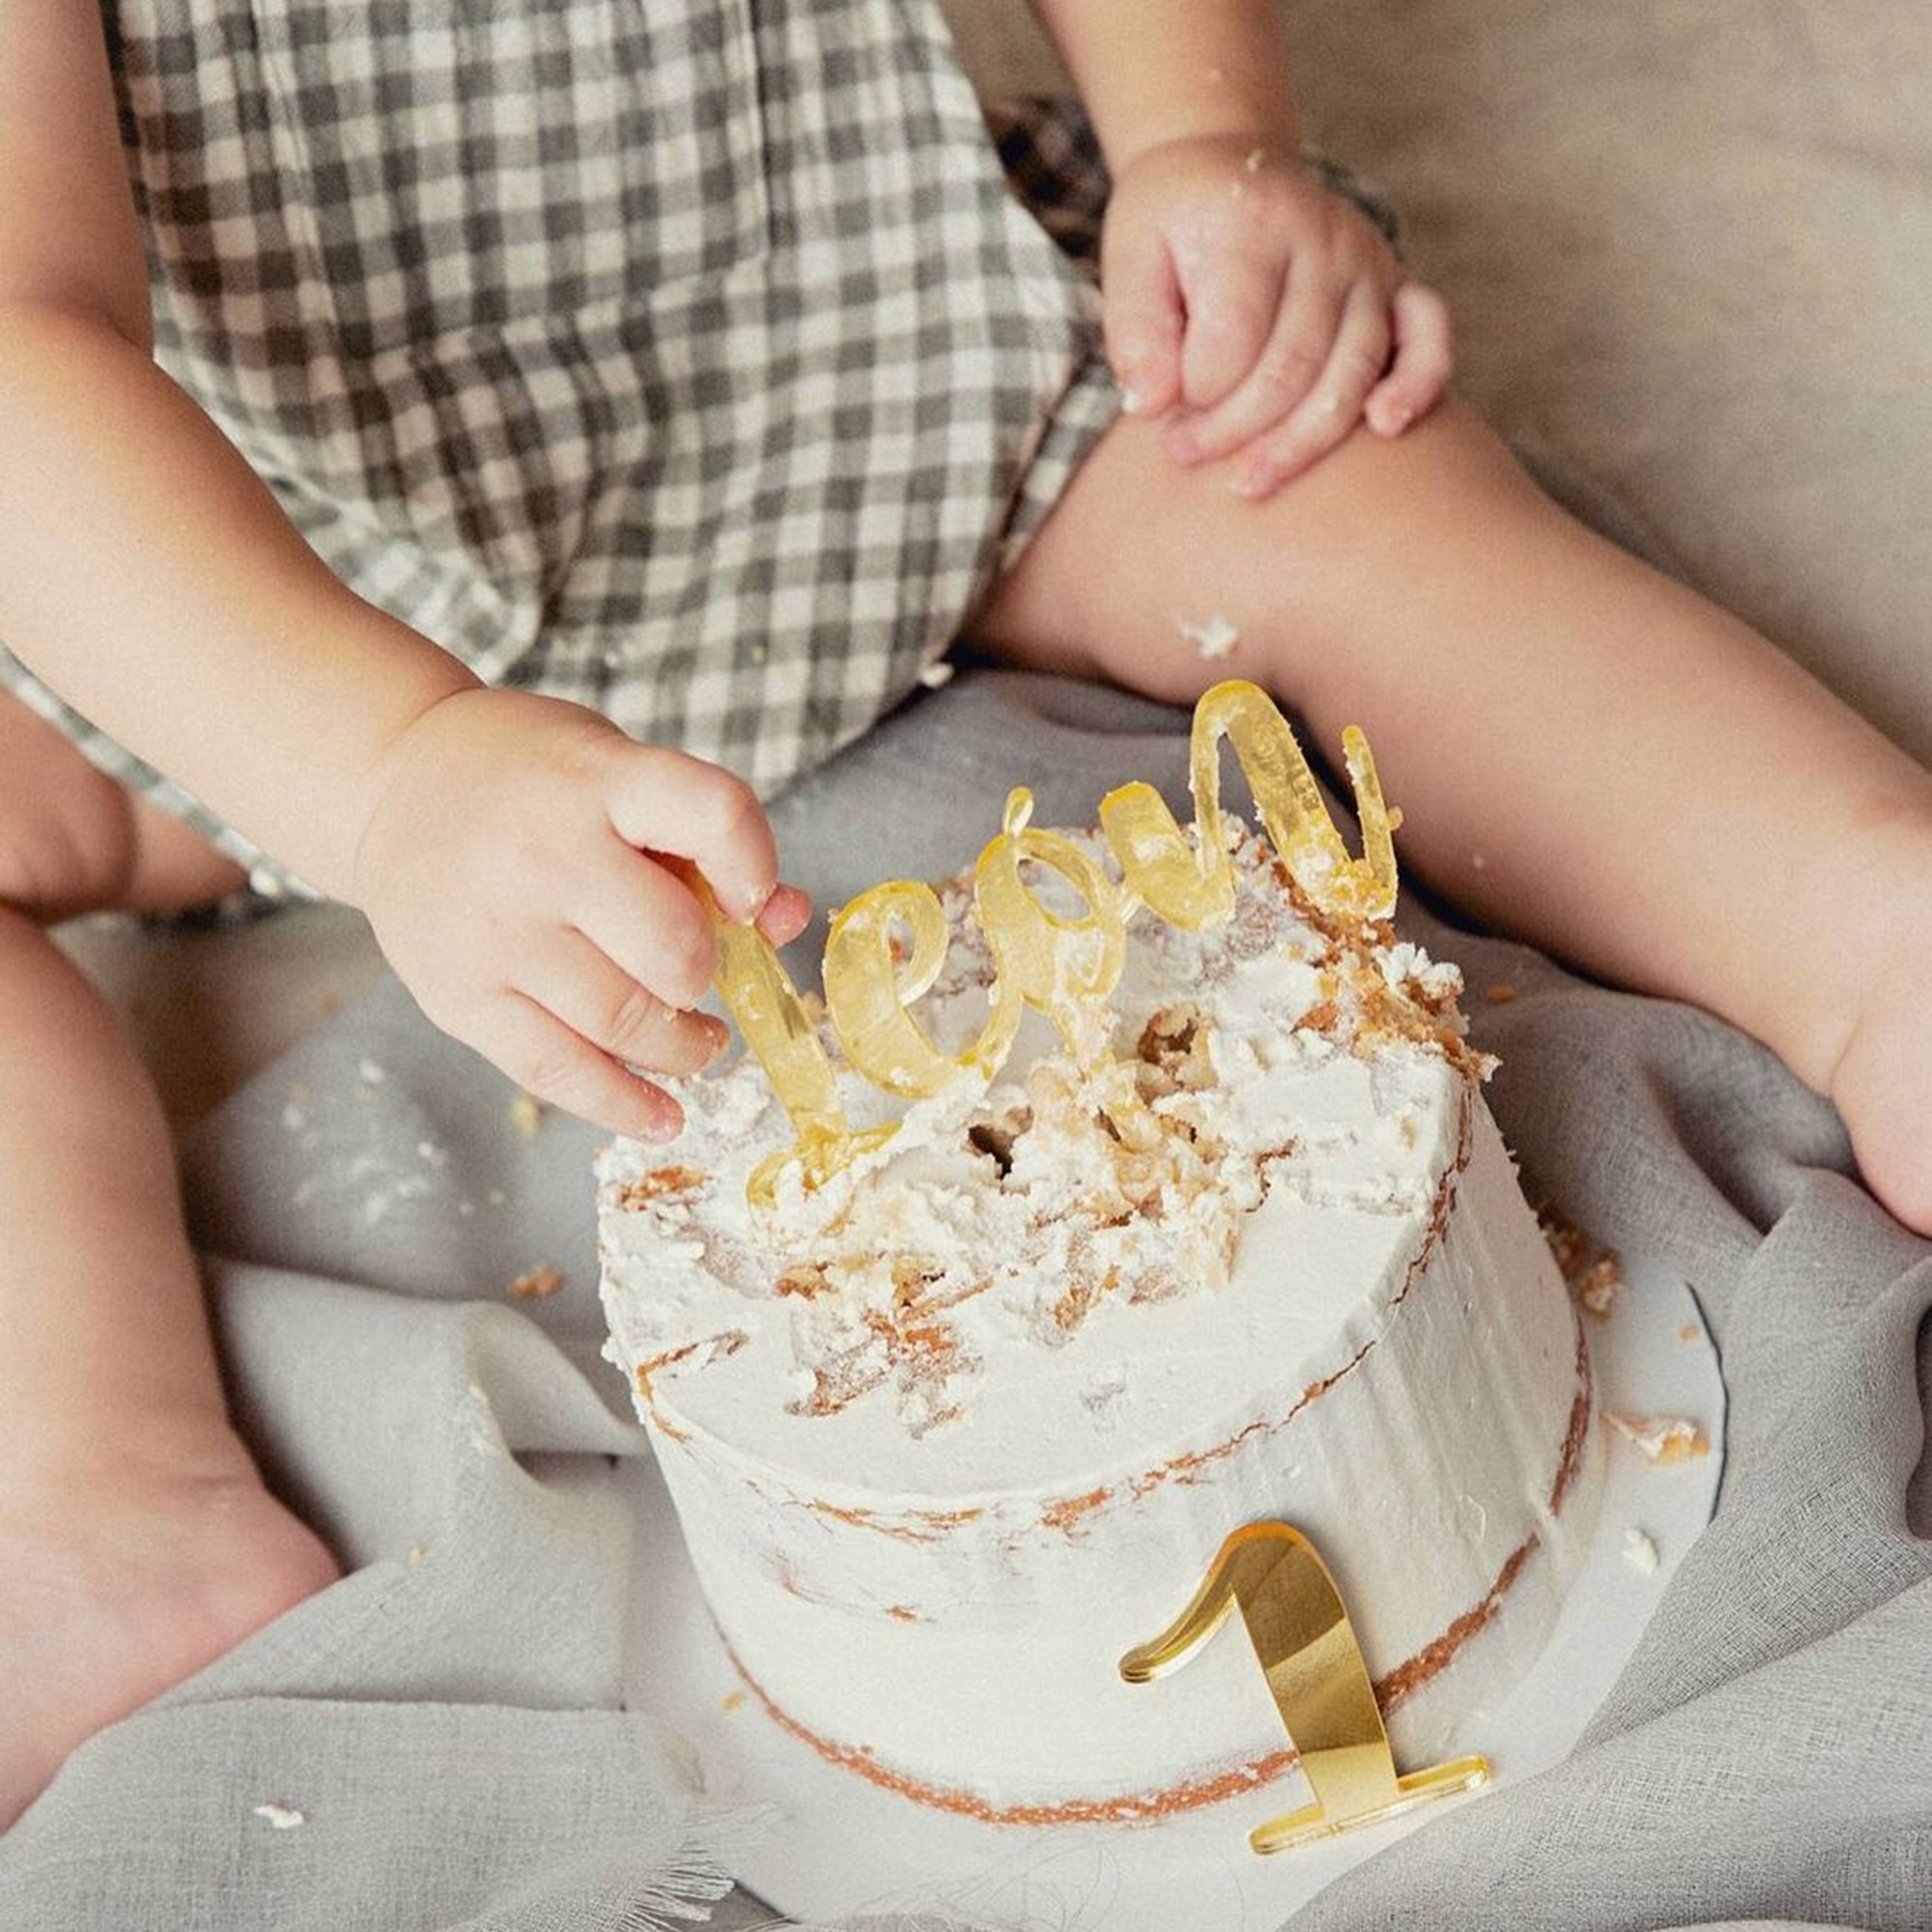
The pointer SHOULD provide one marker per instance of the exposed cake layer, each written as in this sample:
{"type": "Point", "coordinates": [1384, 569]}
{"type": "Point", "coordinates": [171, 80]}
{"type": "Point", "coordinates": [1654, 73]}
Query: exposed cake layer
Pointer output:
{"type": "Point", "coordinates": [949, 1435]}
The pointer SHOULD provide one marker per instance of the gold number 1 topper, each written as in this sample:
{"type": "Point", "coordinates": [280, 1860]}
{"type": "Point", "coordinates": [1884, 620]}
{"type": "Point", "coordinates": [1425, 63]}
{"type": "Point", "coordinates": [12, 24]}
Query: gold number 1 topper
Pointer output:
{"type": "Point", "coordinates": [1308, 1650]}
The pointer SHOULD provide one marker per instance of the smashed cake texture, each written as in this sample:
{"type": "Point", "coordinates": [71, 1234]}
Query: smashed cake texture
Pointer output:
{"type": "Point", "coordinates": [1014, 1209]}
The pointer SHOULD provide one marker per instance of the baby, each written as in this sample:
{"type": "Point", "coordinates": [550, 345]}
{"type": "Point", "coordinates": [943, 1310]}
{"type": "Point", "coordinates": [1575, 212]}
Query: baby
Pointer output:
{"type": "Point", "coordinates": [1591, 755]}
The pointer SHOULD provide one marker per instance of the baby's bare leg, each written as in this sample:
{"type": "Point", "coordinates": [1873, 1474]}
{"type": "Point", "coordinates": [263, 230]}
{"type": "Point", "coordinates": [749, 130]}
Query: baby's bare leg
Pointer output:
{"type": "Point", "coordinates": [136, 1541]}
{"type": "Point", "coordinates": [1589, 754]}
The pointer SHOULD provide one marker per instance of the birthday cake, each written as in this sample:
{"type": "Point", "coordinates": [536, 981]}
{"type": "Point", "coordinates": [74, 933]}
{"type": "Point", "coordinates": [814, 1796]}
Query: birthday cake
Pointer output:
{"type": "Point", "coordinates": [963, 1349]}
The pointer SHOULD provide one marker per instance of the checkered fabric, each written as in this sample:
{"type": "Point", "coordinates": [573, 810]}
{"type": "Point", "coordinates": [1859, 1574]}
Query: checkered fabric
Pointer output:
{"type": "Point", "coordinates": [695, 362]}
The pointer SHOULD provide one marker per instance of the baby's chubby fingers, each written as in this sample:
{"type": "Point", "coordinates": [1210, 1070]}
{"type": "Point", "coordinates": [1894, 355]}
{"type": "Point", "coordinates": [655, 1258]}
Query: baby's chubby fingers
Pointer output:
{"type": "Point", "coordinates": [668, 801]}
{"type": "Point", "coordinates": [1142, 318]}
{"type": "Point", "coordinates": [546, 1058]}
{"type": "Point", "coordinates": [1232, 297]}
{"type": "Point", "coordinates": [573, 980]}
{"type": "Point", "coordinates": [510, 832]}
{"type": "Point", "coordinates": [1425, 355]}
{"type": "Point", "coordinates": [1332, 408]}
{"type": "Point", "coordinates": [647, 921]}
{"type": "Point", "coordinates": [786, 914]}
{"type": "Point", "coordinates": [1291, 362]}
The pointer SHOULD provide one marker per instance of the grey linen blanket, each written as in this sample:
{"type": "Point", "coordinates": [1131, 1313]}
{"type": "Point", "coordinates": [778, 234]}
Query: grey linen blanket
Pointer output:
{"type": "Point", "coordinates": [448, 1721]}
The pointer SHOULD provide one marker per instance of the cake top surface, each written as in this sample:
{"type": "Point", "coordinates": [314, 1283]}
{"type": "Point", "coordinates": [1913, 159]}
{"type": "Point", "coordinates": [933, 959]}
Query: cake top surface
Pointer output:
{"type": "Point", "coordinates": [1045, 1270]}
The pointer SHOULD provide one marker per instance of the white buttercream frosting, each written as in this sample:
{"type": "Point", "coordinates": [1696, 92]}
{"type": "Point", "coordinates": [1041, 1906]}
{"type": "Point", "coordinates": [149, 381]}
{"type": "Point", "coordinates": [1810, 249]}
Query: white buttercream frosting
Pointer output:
{"type": "Point", "coordinates": [950, 1431]}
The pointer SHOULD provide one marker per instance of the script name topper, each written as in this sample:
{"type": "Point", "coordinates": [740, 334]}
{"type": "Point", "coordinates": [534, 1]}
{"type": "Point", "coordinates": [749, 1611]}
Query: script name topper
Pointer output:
{"type": "Point", "coordinates": [887, 946]}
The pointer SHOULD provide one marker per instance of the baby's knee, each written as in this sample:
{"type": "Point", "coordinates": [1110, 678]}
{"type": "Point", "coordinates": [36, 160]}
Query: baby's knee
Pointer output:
{"type": "Point", "coordinates": [1157, 576]}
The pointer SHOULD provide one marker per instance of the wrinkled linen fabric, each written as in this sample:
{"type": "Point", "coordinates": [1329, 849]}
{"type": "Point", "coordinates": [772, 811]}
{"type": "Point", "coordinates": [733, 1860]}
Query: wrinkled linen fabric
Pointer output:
{"type": "Point", "coordinates": [448, 1721]}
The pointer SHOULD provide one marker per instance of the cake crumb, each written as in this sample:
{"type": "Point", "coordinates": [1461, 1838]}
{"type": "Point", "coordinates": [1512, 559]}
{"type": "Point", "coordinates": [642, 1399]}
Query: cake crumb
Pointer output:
{"type": "Point", "coordinates": [937, 674]}
{"type": "Point", "coordinates": [526, 1114]}
{"type": "Point", "coordinates": [416, 1556]}
{"type": "Point", "coordinates": [804, 1278]}
{"type": "Point", "coordinates": [1215, 639]}
{"type": "Point", "coordinates": [1595, 1275]}
{"type": "Point", "coordinates": [541, 1280]}
{"type": "Point", "coordinates": [1689, 1332]}
{"type": "Point", "coordinates": [1500, 994]}
{"type": "Point", "coordinates": [1599, 1284]}
{"type": "Point", "coordinates": [731, 1700]}
{"type": "Point", "coordinates": [371, 1072]}
{"type": "Point", "coordinates": [1661, 1439]}
{"type": "Point", "coordinates": [663, 1183]}
{"type": "Point", "coordinates": [283, 1817]}
{"type": "Point", "coordinates": [1640, 1552]}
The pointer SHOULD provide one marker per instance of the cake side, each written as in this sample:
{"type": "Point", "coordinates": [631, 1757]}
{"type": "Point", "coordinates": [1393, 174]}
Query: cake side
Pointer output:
{"type": "Point", "coordinates": [968, 1656]}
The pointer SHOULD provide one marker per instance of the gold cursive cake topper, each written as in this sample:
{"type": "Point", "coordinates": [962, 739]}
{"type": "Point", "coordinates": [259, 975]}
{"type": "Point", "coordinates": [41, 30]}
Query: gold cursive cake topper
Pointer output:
{"type": "Point", "coordinates": [887, 946]}
{"type": "Point", "coordinates": [1316, 1673]}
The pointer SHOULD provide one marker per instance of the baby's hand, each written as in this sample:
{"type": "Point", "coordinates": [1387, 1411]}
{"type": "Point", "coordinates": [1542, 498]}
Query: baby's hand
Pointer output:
{"type": "Point", "coordinates": [1259, 312]}
{"type": "Point", "coordinates": [520, 872]}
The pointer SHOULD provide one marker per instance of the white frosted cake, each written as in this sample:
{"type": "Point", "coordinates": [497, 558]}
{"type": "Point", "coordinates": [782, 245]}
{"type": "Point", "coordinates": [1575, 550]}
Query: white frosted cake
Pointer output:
{"type": "Point", "coordinates": [953, 1430]}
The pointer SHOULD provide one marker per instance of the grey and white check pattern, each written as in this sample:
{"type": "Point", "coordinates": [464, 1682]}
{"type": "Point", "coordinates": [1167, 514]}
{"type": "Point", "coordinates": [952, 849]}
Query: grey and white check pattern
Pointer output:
{"type": "Point", "coordinates": [695, 359]}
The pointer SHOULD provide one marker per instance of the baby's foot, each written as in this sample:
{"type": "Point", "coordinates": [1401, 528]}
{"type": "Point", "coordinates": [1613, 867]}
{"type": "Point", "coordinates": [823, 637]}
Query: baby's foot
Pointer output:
{"type": "Point", "coordinates": [117, 1585]}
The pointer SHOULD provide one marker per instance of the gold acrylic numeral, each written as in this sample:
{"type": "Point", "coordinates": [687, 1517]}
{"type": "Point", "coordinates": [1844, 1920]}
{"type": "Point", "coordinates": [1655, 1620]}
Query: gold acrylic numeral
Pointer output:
{"type": "Point", "coordinates": [1308, 1651]}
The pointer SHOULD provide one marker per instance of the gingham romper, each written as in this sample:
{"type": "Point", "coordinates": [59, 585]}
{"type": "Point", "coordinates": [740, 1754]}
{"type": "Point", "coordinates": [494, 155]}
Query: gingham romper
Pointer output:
{"type": "Point", "coordinates": [694, 360]}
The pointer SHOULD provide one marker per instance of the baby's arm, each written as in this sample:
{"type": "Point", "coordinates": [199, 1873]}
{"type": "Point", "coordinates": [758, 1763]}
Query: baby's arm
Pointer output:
{"type": "Point", "coordinates": [1259, 313]}
{"type": "Point", "coordinates": [506, 847]}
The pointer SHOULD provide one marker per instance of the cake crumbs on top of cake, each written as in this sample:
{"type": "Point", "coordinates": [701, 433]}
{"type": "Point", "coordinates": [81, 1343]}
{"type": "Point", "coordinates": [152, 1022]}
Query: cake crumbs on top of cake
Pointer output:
{"type": "Point", "coordinates": [803, 1278]}
{"type": "Point", "coordinates": [676, 1181]}
{"type": "Point", "coordinates": [1118, 1168]}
